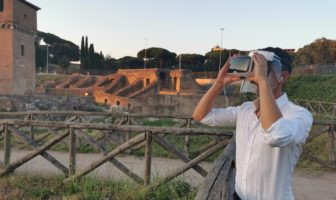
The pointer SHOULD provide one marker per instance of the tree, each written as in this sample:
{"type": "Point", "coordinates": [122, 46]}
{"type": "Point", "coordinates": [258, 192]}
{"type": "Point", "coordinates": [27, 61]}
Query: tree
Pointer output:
{"type": "Point", "coordinates": [64, 62]}
{"type": "Point", "coordinates": [129, 62]}
{"type": "Point", "coordinates": [212, 58]}
{"type": "Point", "coordinates": [193, 62]}
{"type": "Point", "coordinates": [58, 47]}
{"type": "Point", "coordinates": [321, 51]}
{"type": "Point", "coordinates": [40, 57]}
{"type": "Point", "coordinates": [159, 57]}
{"type": "Point", "coordinates": [111, 63]}
{"type": "Point", "coordinates": [82, 52]}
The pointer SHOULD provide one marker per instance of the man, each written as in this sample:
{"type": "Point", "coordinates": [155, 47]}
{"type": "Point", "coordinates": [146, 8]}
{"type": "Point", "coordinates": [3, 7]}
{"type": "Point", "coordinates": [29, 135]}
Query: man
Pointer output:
{"type": "Point", "coordinates": [270, 131]}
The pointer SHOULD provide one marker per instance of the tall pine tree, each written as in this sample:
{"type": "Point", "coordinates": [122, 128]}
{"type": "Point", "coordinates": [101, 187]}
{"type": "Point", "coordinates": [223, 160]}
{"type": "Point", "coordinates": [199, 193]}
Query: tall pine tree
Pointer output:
{"type": "Point", "coordinates": [82, 53]}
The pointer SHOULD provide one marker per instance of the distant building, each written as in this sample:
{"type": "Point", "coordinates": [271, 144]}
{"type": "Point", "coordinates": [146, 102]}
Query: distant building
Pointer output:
{"type": "Point", "coordinates": [217, 48]}
{"type": "Point", "coordinates": [18, 30]}
{"type": "Point", "coordinates": [289, 50]}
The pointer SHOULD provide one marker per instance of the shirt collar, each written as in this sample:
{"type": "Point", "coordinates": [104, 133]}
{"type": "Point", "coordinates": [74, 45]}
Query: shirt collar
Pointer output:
{"type": "Point", "coordinates": [282, 100]}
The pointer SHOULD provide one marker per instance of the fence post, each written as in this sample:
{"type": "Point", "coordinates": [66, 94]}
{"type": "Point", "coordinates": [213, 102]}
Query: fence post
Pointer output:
{"type": "Point", "coordinates": [31, 127]}
{"type": "Point", "coordinates": [148, 158]}
{"type": "Point", "coordinates": [72, 152]}
{"type": "Point", "coordinates": [330, 144]}
{"type": "Point", "coordinates": [187, 139]}
{"type": "Point", "coordinates": [127, 136]}
{"type": "Point", "coordinates": [7, 146]}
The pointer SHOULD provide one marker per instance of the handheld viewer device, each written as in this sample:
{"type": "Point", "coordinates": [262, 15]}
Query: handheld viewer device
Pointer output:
{"type": "Point", "coordinates": [243, 66]}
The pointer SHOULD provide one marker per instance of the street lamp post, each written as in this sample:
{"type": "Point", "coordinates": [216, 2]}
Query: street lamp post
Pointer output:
{"type": "Point", "coordinates": [220, 50]}
{"type": "Point", "coordinates": [145, 57]}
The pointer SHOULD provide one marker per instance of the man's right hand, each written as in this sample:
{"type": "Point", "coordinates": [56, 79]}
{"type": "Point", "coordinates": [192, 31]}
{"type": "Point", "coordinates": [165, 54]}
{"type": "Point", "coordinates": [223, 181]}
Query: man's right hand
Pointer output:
{"type": "Point", "coordinates": [207, 101]}
{"type": "Point", "coordinates": [223, 78]}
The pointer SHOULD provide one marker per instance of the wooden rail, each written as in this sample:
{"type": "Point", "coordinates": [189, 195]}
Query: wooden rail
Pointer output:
{"type": "Point", "coordinates": [75, 133]}
{"type": "Point", "coordinates": [320, 108]}
{"type": "Point", "coordinates": [75, 130]}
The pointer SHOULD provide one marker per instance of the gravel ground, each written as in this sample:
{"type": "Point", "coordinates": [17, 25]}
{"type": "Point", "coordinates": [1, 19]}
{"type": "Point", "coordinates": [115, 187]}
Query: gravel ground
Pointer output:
{"type": "Point", "coordinates": [306, 187]}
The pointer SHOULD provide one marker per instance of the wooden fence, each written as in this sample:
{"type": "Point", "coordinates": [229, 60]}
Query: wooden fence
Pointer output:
{"type": "Point", "coordinates": [320, 108]}
{"type": "Point", "coordinates": [74, 128]}
{"type": "Point", "coordinates": [76, 132]}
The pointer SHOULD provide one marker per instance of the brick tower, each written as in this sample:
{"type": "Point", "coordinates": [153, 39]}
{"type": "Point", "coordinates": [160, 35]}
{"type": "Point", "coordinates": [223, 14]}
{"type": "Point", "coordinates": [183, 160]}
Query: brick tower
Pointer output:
{"type": "Point", "coordinates": [18, 30]}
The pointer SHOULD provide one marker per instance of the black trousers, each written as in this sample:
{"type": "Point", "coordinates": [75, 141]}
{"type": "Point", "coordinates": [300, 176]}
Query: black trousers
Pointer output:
{"type": "Point", "coordinates": [235, 196]}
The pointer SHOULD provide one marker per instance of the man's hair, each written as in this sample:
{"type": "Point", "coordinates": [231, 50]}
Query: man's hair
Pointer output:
{"type": "Point", "coordinates": [285, 59]}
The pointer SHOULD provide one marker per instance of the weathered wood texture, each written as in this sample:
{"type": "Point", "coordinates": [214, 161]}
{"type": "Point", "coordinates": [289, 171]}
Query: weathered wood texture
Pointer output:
{"type": "Point", "coordinates": [72, 151]}
{"type": "Point", "coordinates": [114, 161]}
{"type": "Point", "coordinates": [173, 149]}
{"type": "Point", "coordinates": [39, 150]}
{"type": "Point", "coordinates": [319, 107]}
{"type": "Point", "coordinates": [136, 140]}
{"type": "Point", "coordinates": [219, 184]}
{"type": "Point", "coordinates": [187, 166]}
{"type": "Point", "coordinates": [148, 158]}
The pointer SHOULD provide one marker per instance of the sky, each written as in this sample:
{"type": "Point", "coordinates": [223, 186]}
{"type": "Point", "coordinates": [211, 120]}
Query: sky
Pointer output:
{"type": "Point", "coordinates": [124, 27]}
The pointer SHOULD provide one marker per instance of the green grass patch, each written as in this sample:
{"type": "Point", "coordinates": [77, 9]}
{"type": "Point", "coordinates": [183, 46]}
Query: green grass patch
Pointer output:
{"type": "Point", "coordinates": [312, 88]}
{"type": "Point", "coordinates": [29, 187]}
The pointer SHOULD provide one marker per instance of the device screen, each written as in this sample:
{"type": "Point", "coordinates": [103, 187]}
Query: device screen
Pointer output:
{"type": "Point", "coordinates": [239, 64]}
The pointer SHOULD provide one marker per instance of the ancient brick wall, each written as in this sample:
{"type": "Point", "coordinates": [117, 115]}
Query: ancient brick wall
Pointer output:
{"type": "Point", "coordinates": [17, 51]}
{"type": "Point", "coordinates": [6, 61]}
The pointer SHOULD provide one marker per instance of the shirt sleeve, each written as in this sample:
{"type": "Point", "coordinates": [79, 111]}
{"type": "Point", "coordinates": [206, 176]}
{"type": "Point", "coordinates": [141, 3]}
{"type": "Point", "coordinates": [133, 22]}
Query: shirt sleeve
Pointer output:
{"type": "Point", "coordinates": [221, 117]}
{"type": "Point", "coordinates": [291, 129]}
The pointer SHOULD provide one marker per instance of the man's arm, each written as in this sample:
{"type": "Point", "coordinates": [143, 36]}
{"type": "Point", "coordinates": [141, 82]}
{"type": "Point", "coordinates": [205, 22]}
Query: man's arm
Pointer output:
{"type": "Point", "coordinates": [207, 101]}
{"type": "Point", "coordinates": [269, 110]}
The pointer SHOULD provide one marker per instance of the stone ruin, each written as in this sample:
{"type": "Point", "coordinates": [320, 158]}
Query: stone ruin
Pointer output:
{"type": "Point", "coordinates": [146, 91]}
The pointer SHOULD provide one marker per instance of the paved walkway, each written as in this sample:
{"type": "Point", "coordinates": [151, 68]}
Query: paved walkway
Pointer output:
{"type": "Point", "coordinates": [305, 187]}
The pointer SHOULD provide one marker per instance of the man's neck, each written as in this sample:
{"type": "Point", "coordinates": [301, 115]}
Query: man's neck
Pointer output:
{"type": "Point", "coordinates": [277, 93]}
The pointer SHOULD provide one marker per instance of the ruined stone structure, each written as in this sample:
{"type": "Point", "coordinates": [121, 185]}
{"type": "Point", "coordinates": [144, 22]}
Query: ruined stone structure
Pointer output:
{"type": "Point", "coordinates": [147, 91]}
{"type": "Point", "coordinates": [18, 30]}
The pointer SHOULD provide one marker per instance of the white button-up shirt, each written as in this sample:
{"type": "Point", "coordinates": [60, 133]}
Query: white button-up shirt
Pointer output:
{"type": "Point", "coordinates": [265, 159]}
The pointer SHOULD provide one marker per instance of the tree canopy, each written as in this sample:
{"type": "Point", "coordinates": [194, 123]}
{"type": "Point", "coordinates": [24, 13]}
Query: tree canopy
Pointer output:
{"type": "Point", "coordinates": [158, 57]}
{"type": "Point", "coordinates": [59, 50]}
{"type": "Point", "coordinates": [321, 51]}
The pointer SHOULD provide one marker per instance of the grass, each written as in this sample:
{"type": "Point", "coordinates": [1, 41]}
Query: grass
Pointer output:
{"type": "Point", "coordinates": [318, 149]}
{"type": "Point", "coordinates": [312, 88]}
{"type": "Point", "coordinates": [29, 187]}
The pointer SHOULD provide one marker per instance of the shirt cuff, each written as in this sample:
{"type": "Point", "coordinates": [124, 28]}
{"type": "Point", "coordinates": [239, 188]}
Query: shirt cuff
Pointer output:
{"type": "Point", "coordinates": [279, 134]}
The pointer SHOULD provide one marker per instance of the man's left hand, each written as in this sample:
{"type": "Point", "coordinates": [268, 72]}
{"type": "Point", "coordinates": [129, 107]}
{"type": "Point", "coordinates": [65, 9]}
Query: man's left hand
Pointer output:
{"type": "Point", "coordinates": [260, 67]}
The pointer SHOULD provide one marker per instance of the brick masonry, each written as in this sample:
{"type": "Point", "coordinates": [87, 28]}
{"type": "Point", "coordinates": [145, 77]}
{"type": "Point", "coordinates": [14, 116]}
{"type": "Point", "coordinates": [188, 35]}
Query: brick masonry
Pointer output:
{"type": "Point", "coordinates": [18, 25]}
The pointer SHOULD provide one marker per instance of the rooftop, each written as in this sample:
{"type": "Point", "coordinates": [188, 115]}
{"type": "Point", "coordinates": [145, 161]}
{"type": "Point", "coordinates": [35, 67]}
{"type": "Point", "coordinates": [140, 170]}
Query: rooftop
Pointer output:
{"type": "Point", "coordinates": [30, 5]}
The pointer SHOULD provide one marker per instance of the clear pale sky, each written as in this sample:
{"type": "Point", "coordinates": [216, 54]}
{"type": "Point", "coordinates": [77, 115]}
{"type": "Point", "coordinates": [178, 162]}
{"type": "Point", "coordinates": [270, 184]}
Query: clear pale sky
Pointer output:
{"type": "Point", "coordinates": [119, 27]}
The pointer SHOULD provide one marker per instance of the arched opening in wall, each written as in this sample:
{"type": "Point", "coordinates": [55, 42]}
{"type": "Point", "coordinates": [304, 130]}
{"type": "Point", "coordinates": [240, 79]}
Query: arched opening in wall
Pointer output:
{"type": "Point", "coordinates": [163, 81]}
{"type": "Point", "coordinates": [118, 103]}
{"type": "Point", "coordinates": [105, 101]}
{"type": "Point", "coordinates": [147, 82]}
{"type": "Point", "coordinates": [129, 106]}
{"type": "Point", "coordinates": [1, 5]}
{"type": "Point", "coordinates": [22, 50]}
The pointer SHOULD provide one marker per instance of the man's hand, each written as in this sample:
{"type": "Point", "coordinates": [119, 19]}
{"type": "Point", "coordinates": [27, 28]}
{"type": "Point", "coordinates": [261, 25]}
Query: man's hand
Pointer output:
{"type": "Point", "coordinates": [269, 110]}
{"type": "Point", "coordinates": [207, 101]}
{"type": "Point", "coordinates": [260, 68]}
{"type": "Point", "coordinates": [223, 78]}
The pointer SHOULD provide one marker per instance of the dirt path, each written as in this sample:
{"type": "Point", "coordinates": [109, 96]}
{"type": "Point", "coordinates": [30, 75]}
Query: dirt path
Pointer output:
{"type": "Point", "coordinates": [305, 187]}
